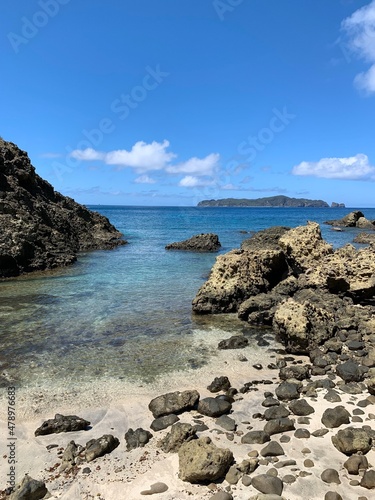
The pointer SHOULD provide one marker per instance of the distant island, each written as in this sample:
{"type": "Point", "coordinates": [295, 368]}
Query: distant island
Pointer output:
{"type": "Point", "coordinates": [272, 201]}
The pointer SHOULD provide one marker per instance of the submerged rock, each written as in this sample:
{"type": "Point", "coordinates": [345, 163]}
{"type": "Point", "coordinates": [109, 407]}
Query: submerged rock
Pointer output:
{"type": "Point", "coordinates": [199, 243]}
{"type": "Point", "coordinates": [40, 228]}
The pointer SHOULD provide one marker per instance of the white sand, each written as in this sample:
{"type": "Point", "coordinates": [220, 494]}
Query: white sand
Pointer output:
{"type": "Point", "coordinates": [113, 406]}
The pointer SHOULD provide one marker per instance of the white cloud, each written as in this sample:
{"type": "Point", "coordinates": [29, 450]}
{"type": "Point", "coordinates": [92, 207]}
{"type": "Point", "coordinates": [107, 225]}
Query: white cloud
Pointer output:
{"type": "Point", "coordinates": [192, 181]}
{"type": "Point", "coordinates": [196, 166]}
{"type": "Point", "coordinates": [360, 29]}
{"type": "Point", "coordinates": [142, 157]}
{"type": "Point", "coordinates": [144, 179]}
{"type": "Point", "coordinates": [87, 154]}
{"type": "Point", "coordinates": [355, 167]}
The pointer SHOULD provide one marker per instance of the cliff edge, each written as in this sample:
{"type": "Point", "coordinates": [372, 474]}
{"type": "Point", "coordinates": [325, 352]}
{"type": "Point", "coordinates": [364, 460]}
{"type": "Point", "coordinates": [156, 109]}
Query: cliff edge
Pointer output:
{"type": "Point", "coordinates": [40, 228]}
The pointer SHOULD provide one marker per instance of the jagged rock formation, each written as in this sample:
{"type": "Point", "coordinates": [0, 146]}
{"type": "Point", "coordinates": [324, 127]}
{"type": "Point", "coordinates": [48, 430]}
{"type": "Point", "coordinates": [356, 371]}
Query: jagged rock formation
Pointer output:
{"type": "Point", "coordinates": [40, 228]}
{"type": "Point", "coordinates": [354, 219]}
{"type": "Point", "coordinates": [334, 204]}
{"type": "Point", "coordinates": [208, 242]}
{"type": "Point", "coordinates": [294, 281]}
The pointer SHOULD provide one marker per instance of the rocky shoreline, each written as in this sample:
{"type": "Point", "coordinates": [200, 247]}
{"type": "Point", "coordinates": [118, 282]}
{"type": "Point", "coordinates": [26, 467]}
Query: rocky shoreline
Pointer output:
{"type": "Point", "coordinates": [275, 430]}
{"type": "Point", "coordinates": [298, 424]}
{"type": "Point", "coordinates": [41, 228]}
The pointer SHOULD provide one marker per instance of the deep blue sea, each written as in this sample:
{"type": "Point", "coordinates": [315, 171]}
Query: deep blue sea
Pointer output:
{"type": "Point", "coordinates": [127, 312]}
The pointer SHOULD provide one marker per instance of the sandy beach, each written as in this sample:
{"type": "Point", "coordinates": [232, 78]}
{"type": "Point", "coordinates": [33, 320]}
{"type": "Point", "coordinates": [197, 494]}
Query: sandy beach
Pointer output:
{"type": "Point", "coordinates": [114, 407]}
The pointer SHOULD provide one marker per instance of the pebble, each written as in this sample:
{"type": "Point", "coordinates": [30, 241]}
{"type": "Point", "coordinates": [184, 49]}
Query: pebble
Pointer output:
{"type": "Point", "coordinates": [155, 488]}
{"type": "Point", "coordinates": [305, 451]}
{"type": "Point", "coordinates": [302, 434]}
{"type": "Point", "coordinates": [289, 479]}
{"type": "Point", "coordinates": [222, 495]}
{"type": "Point", "coordinates": [330, 476]}
{"type": "Point", "coordinates": [332, 495]}
{"type": "Point", "coordinates": [246, 480]}
{"type": "Point", "coordinates": [319, 432]}
{"type": "Point", "coordinates": [284, 439]}
{"type": "Point", "coordinates": [308, 463]}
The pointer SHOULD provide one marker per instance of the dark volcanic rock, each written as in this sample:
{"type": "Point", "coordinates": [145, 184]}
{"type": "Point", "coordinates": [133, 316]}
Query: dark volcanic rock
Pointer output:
{"type": "Point", "coordinates": [29, 489]}
{"type": "Point", "coordinates": [301, 407]}
{"type": "Point", "coordinates": [99, 447]}
{"type": "Point", "coordinates": [137, 439]}
{"type": "Point", "coordinates": [40, 228]}
{"type": "Point", "coordinates": [279, 425]}
{"type": "Point", "coordinates": [219, 384]}
{"type": "Point", "coordinates": [349, 220]}
{"type": "Point", "coordinates": [173, 402]}
{"type": "Point", "coordinates": [198, 243]}
{"type": "Point", "coordinates": [349, 371]}
{"type": "Point", "coordinates": [234, 342]}
{"type": "Point", "coordinates": [287, 391]}
{"type": "Point", "coordinates": [62, 423]}
{"type": "Point", "coordinates": [163, 422]}
{"type": "Point", "coordinates": [334, 417]}
{"type": "Point", "coordinates": [255, 437]}
{"type": "Point", "coordinates": [214, 407]}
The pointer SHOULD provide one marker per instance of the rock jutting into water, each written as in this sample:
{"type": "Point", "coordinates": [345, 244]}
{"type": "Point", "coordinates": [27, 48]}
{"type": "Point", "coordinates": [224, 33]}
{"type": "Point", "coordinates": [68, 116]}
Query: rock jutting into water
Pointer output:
{"type": "Point", "coordinates": [354, 219]}
{"type": "Point", "coordinates": [199, 243]}
{"type": "Point", "coordinates": [42, 229]}
{"type": "Point", "coordinates": [295, 282]}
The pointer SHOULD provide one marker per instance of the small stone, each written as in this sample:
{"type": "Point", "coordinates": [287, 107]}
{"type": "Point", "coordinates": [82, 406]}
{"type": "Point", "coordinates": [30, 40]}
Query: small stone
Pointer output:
{"type": "Point", "coordinates": [332, 495]}
{"type": "Point", "coordinates": [305, 451]}
{"type": "Point", "coordinates": [279, 411]}
{"type": "Point", "coordinates": [137, 439]}
{"type": "Point", "coordinates": [289, 479]}
{"type": "Point", "coordinates": [246, 480]}
{"type": "Point", "coordinates": [214, 407]}
{"type": "Point", "coordinates": [255, 437]}
{"type": "Point", "coordinates": [303, 420]}
{"type": "Point", "coordinates": [253, 454]}
{"type": "Point", "coordinates": [219, 384]}
{"type": "Point", "coordinates": [222, 495]}
{"type": "Point", "coordinates": [270, 401]}
{"type": "Point", "coordinates": [86, 470]}
{"type": "Point", "coordinates": [332, 396]}
{"type": "Point", "coordinates": [226, 423]}
{"type": "Point", "coordinates": [272, 449]}
{"type": "Point", "coordinates": [319, 432]}
{"type": "Point", "coordinates": [330, 476]}
{"type": "Point", "coordinates": [287, 391]}
{"type": "Point", "coordinates": [267, 484]}
{"type": "Point", "coordinates": [284, 439]}
{"type": "Point", "coordinates": [279, 425]}
{"type": "Point", "coordinates": [301, 408]}
{"type": "Point", "coordinates": [285, 463]}
{"type": "Point", "coordinates": [334, 417]}
{"type": "Point", "coordinates": [155, 488]}
{"type": "Point", "coordinates": [258, 366]}
{"type": "Point", "coordinates": [302, 434]}
{"type": "Point", "coordinates": [163, 422]}
{"type": "Point", "coordinates": [368, 480]}
{"type": "Point", "coordinates": [356, 462]}
{"type": "Point", "coordinates": [308, 463]}
{"type": "Point", "coordinates": [233, 475]}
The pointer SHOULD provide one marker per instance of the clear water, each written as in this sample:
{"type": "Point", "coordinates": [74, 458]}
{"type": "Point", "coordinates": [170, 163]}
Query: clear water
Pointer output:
{"type": "Point", "coordinates": [126, 313]}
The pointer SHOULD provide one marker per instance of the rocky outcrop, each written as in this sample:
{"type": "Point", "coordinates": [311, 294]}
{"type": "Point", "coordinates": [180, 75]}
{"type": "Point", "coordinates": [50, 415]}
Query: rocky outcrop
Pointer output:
{"type": "Point", "coordinates": [240, 274]}
{"type": "Point", "coordinates": [199, 243]}
{"type": "Point", "coordinates": [334, 204]}
{"type": "Point", "coordinates": [40, 228]}
{"type": "Point", "coordinates": [295, 282]}
{"type": "Point", "coordinates": [354, 219]}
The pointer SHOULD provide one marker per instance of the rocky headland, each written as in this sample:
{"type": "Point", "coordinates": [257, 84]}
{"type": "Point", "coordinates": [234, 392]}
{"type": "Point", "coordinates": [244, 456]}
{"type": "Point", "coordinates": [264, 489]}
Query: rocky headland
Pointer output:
{"type": "Point", "coordinates": [40, 228]}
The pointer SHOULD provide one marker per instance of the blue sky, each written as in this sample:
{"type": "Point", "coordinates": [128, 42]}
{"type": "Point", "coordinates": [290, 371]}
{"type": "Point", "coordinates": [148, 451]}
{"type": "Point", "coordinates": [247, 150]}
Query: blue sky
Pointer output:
{"type": "Point", "coordinates": [166, 102]}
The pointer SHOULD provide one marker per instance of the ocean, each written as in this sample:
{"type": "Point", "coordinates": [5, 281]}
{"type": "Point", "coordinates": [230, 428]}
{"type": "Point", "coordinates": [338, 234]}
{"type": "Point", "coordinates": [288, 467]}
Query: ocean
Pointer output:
{"type": "Point", "coordinates": [126, 313]}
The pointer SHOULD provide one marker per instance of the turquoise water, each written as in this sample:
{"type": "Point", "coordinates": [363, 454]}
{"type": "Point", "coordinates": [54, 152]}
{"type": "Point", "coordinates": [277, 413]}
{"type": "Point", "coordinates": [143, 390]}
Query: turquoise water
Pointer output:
{"type": "Point", "coordinates": [127, 312]}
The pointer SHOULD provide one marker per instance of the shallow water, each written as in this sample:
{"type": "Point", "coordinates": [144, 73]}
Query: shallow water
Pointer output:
{"type": "Point", "coordinates": [126, 313]}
